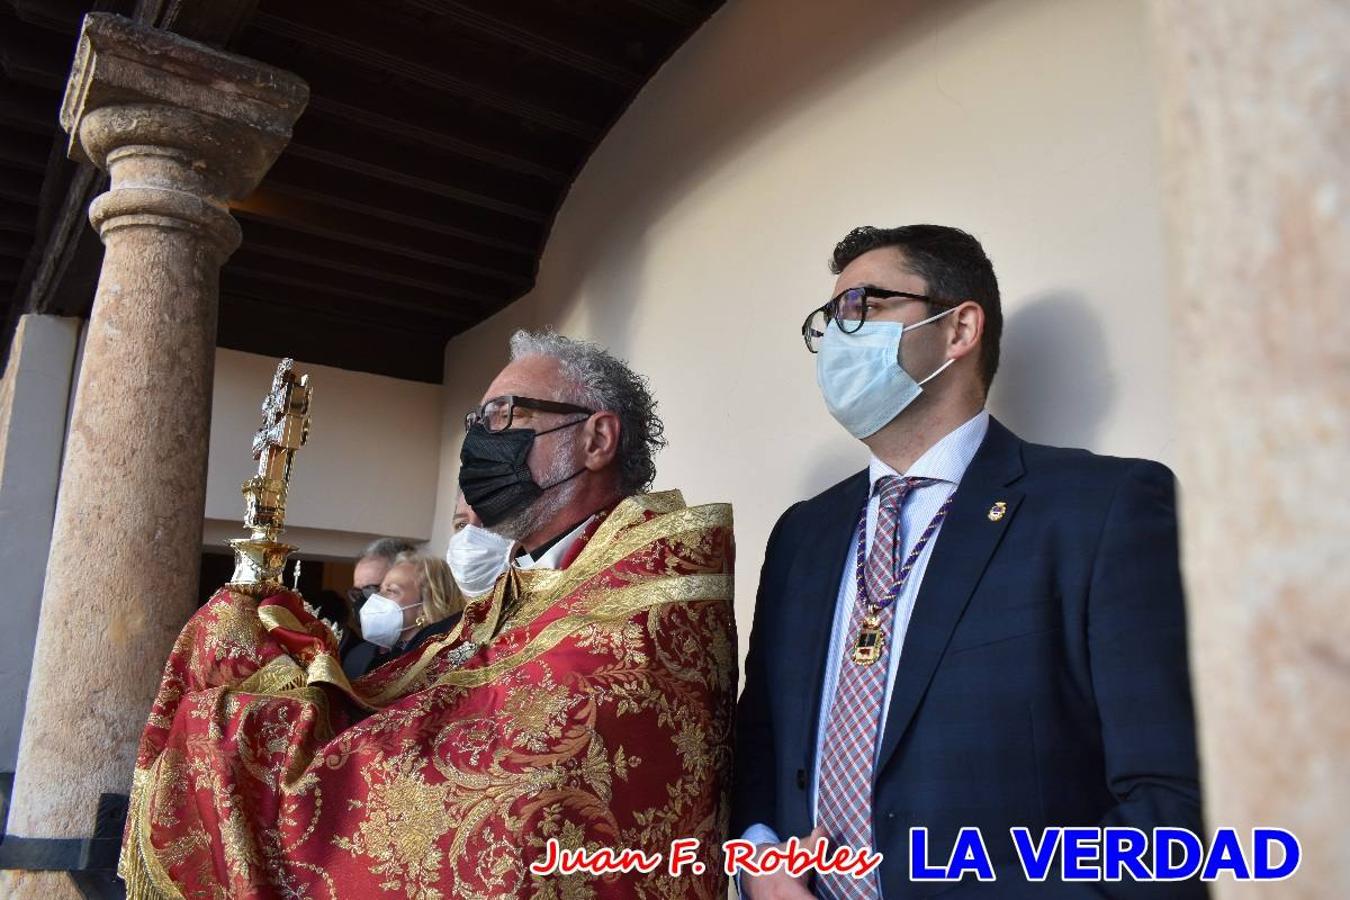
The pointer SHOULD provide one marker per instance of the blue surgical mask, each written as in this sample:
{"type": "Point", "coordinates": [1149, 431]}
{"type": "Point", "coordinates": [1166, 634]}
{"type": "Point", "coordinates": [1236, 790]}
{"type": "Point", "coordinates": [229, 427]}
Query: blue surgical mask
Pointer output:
{"type": "Point", "coordinates": [861, 377]}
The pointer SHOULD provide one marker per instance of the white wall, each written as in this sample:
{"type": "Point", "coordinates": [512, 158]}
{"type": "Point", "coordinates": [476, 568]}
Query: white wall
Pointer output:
{"type": "Point", "coordinates": [34, 398]}
{"type": "Point", "coordinates": [369, 469]}
{"type": "Point", "coordinates": [696, 239]}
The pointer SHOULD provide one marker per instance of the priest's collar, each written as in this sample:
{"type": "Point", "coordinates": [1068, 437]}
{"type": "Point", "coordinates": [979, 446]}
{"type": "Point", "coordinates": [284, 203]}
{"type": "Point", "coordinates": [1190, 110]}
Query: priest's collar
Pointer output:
{"type": "Point", "coordinates": [550, 553]}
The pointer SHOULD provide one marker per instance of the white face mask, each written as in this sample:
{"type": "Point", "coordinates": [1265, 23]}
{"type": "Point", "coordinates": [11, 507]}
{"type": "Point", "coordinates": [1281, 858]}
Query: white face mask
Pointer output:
{"type": "Point", "coordinates": [382, 620]}
{"type": "Point", "coordinates": [477, 558]}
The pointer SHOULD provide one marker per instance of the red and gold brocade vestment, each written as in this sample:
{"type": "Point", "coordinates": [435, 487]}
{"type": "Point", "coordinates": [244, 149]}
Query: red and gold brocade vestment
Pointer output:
{"type": "Point", "coordinates": [591, 704]}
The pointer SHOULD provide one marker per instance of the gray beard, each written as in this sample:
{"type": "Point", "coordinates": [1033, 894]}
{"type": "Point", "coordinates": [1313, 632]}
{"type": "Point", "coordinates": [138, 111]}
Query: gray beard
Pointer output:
{"type": "Point", "coordinates": [525, 522]}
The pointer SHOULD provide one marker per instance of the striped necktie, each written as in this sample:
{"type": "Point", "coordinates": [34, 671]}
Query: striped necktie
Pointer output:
{"type": "Point", "coordinates": [846, 765]}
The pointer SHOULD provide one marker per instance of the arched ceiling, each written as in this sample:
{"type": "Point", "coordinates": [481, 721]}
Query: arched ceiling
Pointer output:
{"type": "Point", "coordinates": [419, 188]}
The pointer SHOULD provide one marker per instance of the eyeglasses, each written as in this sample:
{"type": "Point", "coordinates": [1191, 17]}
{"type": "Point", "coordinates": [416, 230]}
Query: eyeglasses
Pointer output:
{"type": "Point", "coordinates": [359, 595]}
{"type": "Point", "coordinates": [848, 309]}
{"type": "Point", "coordinates": [497, 413]}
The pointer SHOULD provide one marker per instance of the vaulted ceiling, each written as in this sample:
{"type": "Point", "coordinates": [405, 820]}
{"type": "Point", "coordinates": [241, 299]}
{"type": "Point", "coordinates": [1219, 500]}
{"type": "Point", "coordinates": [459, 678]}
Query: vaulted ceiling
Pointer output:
{"type": "Point", "coordinates": [419, 188]}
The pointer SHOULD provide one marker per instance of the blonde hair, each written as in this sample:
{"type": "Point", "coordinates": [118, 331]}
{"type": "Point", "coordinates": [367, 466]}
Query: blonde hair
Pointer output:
{"type": "Point", "coordinates": [440, 595]}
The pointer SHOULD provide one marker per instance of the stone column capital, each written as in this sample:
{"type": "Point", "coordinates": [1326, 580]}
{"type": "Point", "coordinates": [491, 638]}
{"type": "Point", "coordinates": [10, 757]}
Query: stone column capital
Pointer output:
{"type": "Point", "coordinates": [134, 86]}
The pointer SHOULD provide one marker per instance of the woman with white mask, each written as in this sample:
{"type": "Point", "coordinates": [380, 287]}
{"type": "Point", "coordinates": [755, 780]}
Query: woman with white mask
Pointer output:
{"type": "Point", "coordinates": [417, 600]}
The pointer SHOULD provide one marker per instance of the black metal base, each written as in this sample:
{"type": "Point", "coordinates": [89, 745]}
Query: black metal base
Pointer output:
{"type": "Point", "coordinates": [91, 862]}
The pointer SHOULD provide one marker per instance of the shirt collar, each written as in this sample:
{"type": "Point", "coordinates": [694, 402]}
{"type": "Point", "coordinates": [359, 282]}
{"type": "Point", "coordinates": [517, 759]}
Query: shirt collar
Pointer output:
{"type": "Point", "coordinates": [946, 460]}
{"type": "Point", "coordinates": [554, 555]}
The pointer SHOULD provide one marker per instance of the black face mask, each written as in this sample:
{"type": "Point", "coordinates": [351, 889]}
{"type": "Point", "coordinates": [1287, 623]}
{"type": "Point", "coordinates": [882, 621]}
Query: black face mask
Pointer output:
{"type": "Point", "coordinates": [494, 471]}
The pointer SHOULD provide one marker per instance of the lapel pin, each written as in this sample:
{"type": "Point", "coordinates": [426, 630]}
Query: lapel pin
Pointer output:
{"type": "Point", "coordinates": [998, 511]}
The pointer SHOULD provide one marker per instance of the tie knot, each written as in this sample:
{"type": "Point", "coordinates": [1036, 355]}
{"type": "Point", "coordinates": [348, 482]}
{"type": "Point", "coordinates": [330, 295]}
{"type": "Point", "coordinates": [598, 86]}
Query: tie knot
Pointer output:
{"type": "Point", "coordinates": [893, 488]}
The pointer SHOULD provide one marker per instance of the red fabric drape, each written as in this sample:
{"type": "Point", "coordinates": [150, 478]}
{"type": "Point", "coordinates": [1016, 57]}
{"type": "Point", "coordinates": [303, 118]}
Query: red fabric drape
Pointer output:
{"type": "Point", "coordinates": [591, 705]}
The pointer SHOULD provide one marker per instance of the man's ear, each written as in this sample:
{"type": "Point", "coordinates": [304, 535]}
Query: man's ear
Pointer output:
{"type": "Point", "coordinates": [967, 329]}
{"type": "Point", "coordinates": [600, 440]}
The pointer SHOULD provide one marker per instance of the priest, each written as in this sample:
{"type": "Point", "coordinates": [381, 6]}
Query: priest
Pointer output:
{"type": "Point", "coordinates": [584, 701]}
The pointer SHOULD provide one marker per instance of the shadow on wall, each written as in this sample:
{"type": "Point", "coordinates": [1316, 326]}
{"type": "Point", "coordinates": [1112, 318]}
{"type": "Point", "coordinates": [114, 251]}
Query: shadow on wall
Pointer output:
{"type": "Point", "coordinates": [649, 160]}
{"type": "Point", "coordinates": [1054, 383]}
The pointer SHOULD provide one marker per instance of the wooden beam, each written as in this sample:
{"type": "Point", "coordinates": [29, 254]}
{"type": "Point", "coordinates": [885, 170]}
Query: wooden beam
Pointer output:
{"type": "Point", "coordinates": [369, 54]}
{"type": "Point", "coordinates": [420, 111]}
{"type": "Point", "coordinates": [214, 22]}
{"type": "Point", "coordinates": [19, 187]}
{"type": "Point", "coordinates": [382, 347]}
{"type": "Point", "coordinates": [321, 317]}
{"type": "Point", "coordinates": [11, 222]}
{"type": "Point", "coordinates": [397, 203]}
{"type": "Point", "coordinates": [54, 15]}
{"type": "Point", "coordinates": [320, 303]}
{"type": "Point", "coordinates": [676, 11]}
{"type": "Point", "coordinates": [272, 239]}
{"type": "Point", "coordinates": [14, 246]}
{"type": "Point", "coordinates": [401, 122]}
{"type": "Point", "coordinates": [25, 151]}
{"type": "Point", "coordinates": [34, 56]}
{"type": "Point", "coordinates": [417, 233]}
{"type": "Point", "coordinates": [353, 238]}
{"type": "Point", "coordinates": [383, 282]}
{"type": "Point", "coordinates": [528, 39]}
{"type": "Point", "coordinates": [30, 109]}
{"type": "Point", "coordinates": [64, 16]}
{"type": "Point", "coordinates": [349, 161]}
{"type": "Point", "coordinates": [368, 291]}
{"type": "Point", "coordinates": [65, 271]}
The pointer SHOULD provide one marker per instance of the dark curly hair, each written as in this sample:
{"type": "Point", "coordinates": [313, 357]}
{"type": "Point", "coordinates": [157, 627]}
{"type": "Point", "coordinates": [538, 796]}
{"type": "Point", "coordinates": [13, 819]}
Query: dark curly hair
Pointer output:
{"type": "Point", "coordinates": [953, 264]}
{"type": "Point", "coordinates": [602, 381]}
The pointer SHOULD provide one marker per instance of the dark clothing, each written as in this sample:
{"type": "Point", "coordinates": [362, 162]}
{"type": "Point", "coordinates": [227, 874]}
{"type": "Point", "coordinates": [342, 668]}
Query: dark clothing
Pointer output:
{"type": "Point", "coordinates": [1042, 681]}
{"type": "Point", "coordinates": [336, 610]}
{"type": "Point", "coordinates": [363, 656]}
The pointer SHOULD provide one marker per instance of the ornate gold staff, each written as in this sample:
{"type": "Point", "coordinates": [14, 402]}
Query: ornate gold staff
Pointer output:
{"type": "Point", "coordinates": [260, 558]}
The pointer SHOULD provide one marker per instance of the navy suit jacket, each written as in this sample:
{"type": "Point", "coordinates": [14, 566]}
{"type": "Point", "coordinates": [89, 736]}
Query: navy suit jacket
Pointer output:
{"type": "Point", "coordinates": [1043, 678]}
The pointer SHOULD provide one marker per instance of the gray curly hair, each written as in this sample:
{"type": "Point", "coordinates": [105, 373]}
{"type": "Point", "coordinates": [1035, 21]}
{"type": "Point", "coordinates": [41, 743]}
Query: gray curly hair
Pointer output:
{"type": "Point", "coordinates": [603, 382]}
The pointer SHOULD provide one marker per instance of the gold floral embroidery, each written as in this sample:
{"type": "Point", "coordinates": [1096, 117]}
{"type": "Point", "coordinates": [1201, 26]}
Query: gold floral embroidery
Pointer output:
{"type": "Point", "coordinates": [622, 639]}
{"type": "Point", "coordinates": [535, 712]}
{"type": "Point", "coordinates": [405, 818]}
{"type": "Point", "coordinates": [231, 632]}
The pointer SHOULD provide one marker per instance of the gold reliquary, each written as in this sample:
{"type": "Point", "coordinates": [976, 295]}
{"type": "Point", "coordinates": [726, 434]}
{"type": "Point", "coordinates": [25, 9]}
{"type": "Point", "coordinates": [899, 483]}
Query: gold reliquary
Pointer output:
{"type": "Point", "coordinates": [259, 559]}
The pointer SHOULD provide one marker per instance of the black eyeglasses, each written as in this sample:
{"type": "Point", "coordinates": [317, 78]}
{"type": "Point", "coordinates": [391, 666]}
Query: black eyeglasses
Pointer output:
{"type": "Point", "coordinates": [848, 309]}
{"type": "Point", "coordinates": [360, 594]}
{"type": "Point", "coordinates": [497, 413]}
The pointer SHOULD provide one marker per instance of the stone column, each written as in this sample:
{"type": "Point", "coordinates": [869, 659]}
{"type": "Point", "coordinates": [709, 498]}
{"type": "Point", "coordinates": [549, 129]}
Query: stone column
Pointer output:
{"type": "Point", "coordinates": [1256, 101]}
{"type": "Point", "coordinates": [182, 129]}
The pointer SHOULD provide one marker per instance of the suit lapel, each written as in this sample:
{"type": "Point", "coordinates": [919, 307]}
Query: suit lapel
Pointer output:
{"type": "Point", "coordinates": [814, 579]}
{"type": "Point", "coordinates": [962, 552]}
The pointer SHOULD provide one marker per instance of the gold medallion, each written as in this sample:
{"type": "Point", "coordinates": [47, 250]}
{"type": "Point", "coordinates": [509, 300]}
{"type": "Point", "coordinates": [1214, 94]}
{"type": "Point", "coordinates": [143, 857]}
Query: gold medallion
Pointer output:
{"type": "Point", "coordinates": [871, 642]}
{"type": "Point", "coordinates": [998, 511]}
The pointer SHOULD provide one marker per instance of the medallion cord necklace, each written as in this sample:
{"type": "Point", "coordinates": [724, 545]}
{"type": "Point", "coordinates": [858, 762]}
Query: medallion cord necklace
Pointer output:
{"type": "Point", "coordinates": [871, 640]}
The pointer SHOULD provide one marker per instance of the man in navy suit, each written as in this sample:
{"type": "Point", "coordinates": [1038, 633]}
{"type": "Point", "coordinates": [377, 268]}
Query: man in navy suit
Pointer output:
{"type": "Point", "coordinates": [975, 630]}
